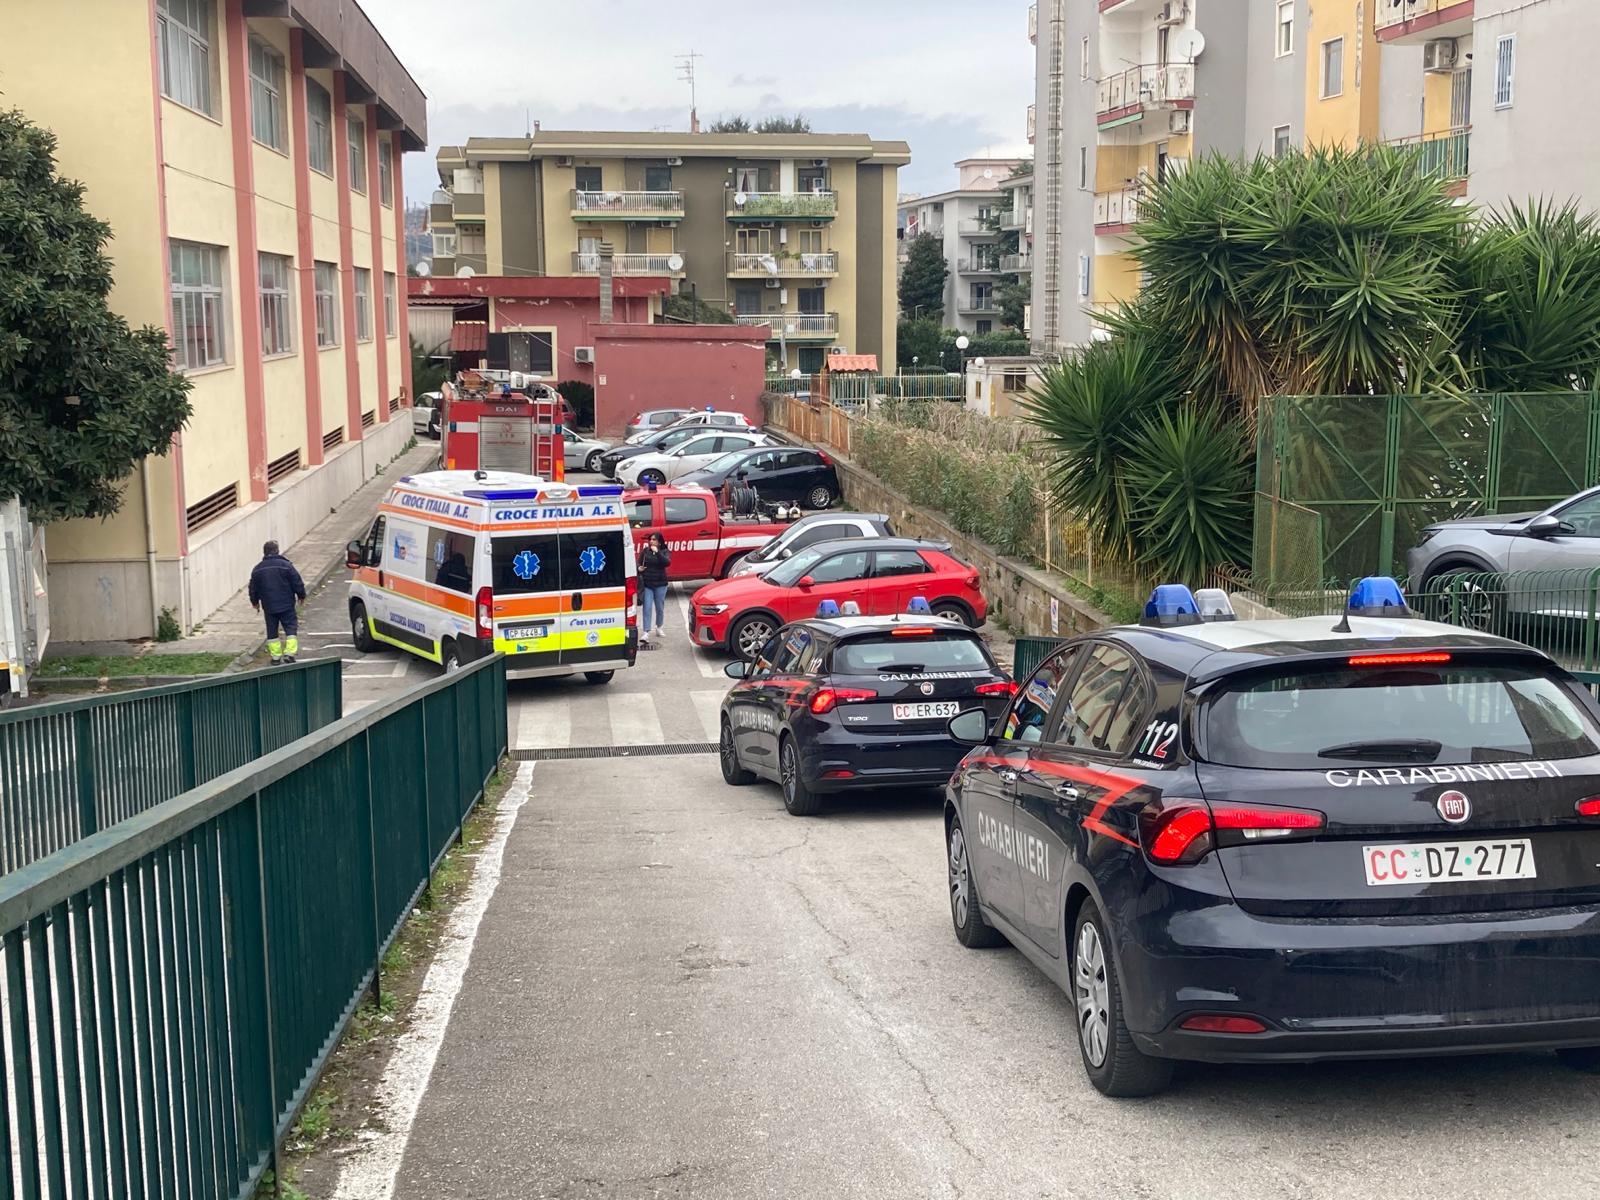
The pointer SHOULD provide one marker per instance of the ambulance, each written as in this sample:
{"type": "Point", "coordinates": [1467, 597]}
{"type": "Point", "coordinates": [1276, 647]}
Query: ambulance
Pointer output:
{"type": "Point", "coordinates": [460, 564]}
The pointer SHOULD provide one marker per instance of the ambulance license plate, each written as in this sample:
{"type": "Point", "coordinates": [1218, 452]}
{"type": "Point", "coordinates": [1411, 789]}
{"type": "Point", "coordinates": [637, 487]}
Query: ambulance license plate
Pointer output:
{"type": "Point", "coordinates": [926, 712]}
{"type": "Point", "coordinates": [525, 633]}
{"type": "Point", "coordinates": [1484, 861]}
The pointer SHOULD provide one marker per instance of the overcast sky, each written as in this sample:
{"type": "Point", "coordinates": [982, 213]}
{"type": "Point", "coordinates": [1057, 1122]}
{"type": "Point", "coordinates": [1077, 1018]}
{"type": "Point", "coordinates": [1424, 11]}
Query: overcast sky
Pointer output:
{"type": "Point", "coordinates": [951, 77]}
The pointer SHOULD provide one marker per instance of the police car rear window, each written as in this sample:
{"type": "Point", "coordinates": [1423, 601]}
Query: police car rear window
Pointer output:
{"type": "Point", "coordinates": [1400, 716]}
{"type": "Point", "coordinates": [910, 655]}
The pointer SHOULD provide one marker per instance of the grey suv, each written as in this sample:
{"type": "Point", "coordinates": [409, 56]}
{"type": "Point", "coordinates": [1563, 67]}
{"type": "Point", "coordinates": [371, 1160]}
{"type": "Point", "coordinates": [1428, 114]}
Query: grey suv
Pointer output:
{"type": "Point", "coordinates": [1563, 536]}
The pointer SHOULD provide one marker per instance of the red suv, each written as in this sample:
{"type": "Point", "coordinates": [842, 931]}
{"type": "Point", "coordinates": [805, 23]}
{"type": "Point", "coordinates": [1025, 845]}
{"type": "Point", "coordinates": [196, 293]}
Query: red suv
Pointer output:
{"type": "Point", "coordinates": [881, 576]}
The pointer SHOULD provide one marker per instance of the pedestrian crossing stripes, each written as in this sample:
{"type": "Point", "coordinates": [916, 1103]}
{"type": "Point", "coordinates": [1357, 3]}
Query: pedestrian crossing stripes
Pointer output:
{"type": "Point", "coordinates": [558, 719]}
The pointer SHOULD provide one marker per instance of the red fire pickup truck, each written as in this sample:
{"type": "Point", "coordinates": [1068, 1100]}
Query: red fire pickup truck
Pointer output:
{"type": "Point", "coordinates": [705, 541]}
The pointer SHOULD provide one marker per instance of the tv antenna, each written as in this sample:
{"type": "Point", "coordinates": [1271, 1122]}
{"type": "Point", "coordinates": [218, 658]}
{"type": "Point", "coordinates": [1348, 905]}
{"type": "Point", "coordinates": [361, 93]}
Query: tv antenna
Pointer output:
{"type": "Point", "coordinates": [686, 73]}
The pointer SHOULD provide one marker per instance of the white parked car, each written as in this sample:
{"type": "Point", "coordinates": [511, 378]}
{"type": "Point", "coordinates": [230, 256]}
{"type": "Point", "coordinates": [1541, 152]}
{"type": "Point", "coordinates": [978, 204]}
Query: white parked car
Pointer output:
{"type": "Point", "coordinates": [685, 457]}
{"type": "Point", "coordinates": [583, 454]}
{"type": "Point", "coordinates": [425, 414]}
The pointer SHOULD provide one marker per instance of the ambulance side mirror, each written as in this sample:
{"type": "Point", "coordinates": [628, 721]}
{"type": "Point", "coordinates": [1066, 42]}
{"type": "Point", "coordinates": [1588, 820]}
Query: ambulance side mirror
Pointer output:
{"type": "Point", "coordinates": [354, 555]}
{"type": "Point", "coordinates": [970, 728]}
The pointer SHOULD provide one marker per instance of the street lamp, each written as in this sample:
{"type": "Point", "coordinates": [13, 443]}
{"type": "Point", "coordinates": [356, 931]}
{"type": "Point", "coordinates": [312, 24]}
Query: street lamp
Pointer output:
{"type": "Point", "coordinates": [962, 343]}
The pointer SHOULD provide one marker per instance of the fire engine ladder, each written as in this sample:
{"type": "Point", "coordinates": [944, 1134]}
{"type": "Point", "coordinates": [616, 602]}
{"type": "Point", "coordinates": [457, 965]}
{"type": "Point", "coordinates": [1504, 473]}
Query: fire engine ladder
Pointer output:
{"type": "Point", "coordinates": [549, 443]}
{"type": "Point", "coordinates": [1053, 184]}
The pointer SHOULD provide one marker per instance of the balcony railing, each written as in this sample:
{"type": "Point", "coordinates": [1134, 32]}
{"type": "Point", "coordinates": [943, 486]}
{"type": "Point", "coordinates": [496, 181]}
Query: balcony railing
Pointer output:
{"type": "Point", "coordinates": [978, 266]}
{"type": "Point", "coordinates": [1016, 263]}
{"type": "Point", "coordinates": [1032, 114]}
{"type": "Point", "coordinates": [780, 206]}
{"type": "Point", "coordinates": [1016, 217]}
{"type": "Point", "coordinates": [1391, 19]}
{"type": "Point", "coordinates": [585, 263]}
{"type": "Point", "coordinates": [793, 325]}
{"type": "Point", "coordinates": [782, 264]}
{"type": "Point", "coordinates": [1147, 86]}
{"type": "Point", "coordinates": [974, 227]}
{"type": "Point", "coordinates": [978, 304]}
{"type": "Point", "coordinates": [626, 206]}
{"type": "Point", "coordinates": [1033, 23]}
{"type": "Point", "coordinates": [1113, 210]}
{"type": "Point", "coordinates": [1444, 153]}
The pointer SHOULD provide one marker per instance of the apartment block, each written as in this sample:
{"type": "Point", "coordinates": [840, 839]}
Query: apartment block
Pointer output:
{"type": "Point", "coordinates": [246, 154]}
{"type": "Point", "coordinates": [791, 232]}
{"type": "Point", "coordinates": [967, 220]}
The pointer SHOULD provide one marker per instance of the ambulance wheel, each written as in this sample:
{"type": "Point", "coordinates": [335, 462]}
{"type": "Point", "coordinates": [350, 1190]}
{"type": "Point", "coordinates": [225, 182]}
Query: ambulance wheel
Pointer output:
{"type": "Point", "coordinates": [449, 657]}
{"type": "Point", "coordinates": [819, 497]}
{"type": "Point", "coordinates": [650, 475]}
{"type": "Point", "coordinates": [598, 677]}
{"type": "Point", "coordinates": [592, 463]}
{"type": "Point", "coordinates": [972, 931]}
{"type": "Point", "coordinates": [1110, 1059]}
{"type": "Point", "coordinates": [360, 631]}
{"type": "Point", "coordinates": [800, 800]}
{"type": "Point", "coordinates": [728, 756]}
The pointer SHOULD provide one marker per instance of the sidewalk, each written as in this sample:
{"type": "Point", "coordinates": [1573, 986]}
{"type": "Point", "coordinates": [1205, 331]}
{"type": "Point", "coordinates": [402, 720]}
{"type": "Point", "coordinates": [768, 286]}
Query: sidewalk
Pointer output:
{"type": "Point", "coordinates": [237, 628]}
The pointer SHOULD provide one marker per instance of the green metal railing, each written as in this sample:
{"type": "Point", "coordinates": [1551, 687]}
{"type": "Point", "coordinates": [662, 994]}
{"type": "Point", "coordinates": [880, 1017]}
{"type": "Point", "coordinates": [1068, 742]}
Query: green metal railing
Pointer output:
{"type": "Point", "coordinates": [173, 984]}
{"type": "Point", "coordinates": [1553, 611]}
{"type": "Point", "coordinates": [70, 769]}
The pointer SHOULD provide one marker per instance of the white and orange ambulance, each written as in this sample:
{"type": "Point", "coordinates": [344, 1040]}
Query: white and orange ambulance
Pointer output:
{"type": "Point", "coordinates": [459, 564]}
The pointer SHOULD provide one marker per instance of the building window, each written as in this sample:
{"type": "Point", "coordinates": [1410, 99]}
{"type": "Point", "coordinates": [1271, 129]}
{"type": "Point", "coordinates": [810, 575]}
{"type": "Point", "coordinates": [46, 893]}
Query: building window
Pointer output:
{"type": "Point", "coordinates": [197, 305]}
{"type": "Point", "coordinates": [1083, 168]}
{"type": "Point", "coordinates": [319, 127]}
{"type": "Point", "coordinates": [471, 240]}
{"type": "Point", "coordinates": [391, 304]}
{"type": "Point", "coordinates": [444, 245]}
{"type": "Point", "coordinates": [356, 134]}
{"type": "Point", "coordinates": [183, 42]}
{"type": "Point", "coordinates": [267, 124]}
{"type": "Point", "coordinates": [1083, 274]}
{"type": "Point", "coordinates": [586, 179]}
{"type": "Point", "coordinates": [1280, 141]}
{"type": "Point", "coordinates": [984, 326]}
{"type": "Point", "coordinates": [1505, 61]}
{"type": "Point", "coordinates": [1333, 68]}
{"type": "Point", "coordinates": [1286, 27]}
{"type": "Point", "coordinates": [386, 171]}
{"type": "Point", "coordinates": [277, 305]}
{"type": "Point", "coordinates": [363, 304]}
{"type": "Point", "coordinates": [1014, 381]}
{"type": "Point", "coordinates": [1083, 59]}
{"type": "Point", "coordinates": [327, 289]}
{"type": "Point", "coordinates": [659, 179]}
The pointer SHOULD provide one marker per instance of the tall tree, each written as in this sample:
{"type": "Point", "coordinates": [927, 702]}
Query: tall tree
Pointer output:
{"type": "Point", "coordinates": [922, 281]}
{"type": "Point", "coordinates": [794, 124]}
{"type": "Point", "coordinates": [83, 398]}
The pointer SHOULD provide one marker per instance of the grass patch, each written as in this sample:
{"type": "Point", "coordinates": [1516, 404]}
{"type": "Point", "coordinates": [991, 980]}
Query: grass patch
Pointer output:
{"type": "Point", "coordinates": [93, 666]}
{"type": "Point", "coordinates": [1118, 604]}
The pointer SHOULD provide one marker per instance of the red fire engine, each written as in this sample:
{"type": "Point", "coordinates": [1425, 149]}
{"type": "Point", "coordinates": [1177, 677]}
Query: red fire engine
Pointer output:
{"type": "Point", "coordinates": [495, 426]}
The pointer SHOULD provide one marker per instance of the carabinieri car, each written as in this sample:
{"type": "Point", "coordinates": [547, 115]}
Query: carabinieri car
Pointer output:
{"type": "Point", "coordinates": [841, 702]}
{"type": "Point", "coordinates": [1290, 839]}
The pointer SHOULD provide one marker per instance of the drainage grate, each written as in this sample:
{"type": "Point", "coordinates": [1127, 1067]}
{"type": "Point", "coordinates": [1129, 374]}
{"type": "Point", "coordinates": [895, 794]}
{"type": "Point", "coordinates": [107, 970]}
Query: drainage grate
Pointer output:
{"type": "Point", "coordinates": [613, 751]}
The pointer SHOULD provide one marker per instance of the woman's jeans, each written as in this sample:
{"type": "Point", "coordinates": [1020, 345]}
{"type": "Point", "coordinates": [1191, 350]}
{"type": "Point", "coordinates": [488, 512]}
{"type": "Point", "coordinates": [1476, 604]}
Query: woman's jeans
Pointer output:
{"type": "Point", "coordinates": [656, 598]}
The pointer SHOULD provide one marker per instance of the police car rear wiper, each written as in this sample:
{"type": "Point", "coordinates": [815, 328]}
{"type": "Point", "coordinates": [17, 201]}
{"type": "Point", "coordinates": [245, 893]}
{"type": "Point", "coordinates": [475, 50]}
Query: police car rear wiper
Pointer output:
{"type": "Point", "coordinates": [1395, 749]}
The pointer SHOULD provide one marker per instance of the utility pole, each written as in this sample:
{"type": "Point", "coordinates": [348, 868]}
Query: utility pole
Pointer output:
{"type": "Point", "coordinates": [686, 73]}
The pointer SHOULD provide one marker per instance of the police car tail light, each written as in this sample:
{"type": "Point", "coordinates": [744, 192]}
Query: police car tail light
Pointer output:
{"type": "Point", "coordinates": [823, 700]}
{"type": "Point", "coordinates": [1419, 658]}
{"type": "Point", "coordinates": [1222, 1023]}
{"type": "Point", "coordinates": [1003, 687]}
{"type": "Point", "coordinates": [1254, 824]}
{"type": "Point", "coordinates": [1177, 832]}
{"type": "Point", "coordinates": [1589, 807]}
{"type": "Point", "coordinates": [484, 610]}
{"type": "Point", "coordinates": [911, 631]}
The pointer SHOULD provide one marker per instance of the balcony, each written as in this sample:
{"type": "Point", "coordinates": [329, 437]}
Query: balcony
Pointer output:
{"type": "Point", "coordinates": [627, 206]}
{"type": "Point", "coordinates": [1444, 154]}
{"type": "Point", "coordinates": [1125, 96]}
{"type": "Point", "coordinates": [1116, 212]}
{"type": "Point", "coordinates": [468, 204]}
{"type": "Point", "coordinates": [979, 305]}
{"type": "Point", "coordinates": [584, 263]}
{"type": "Point", "coordinates": [975, 227]}
{"type": "Point", "coordinates": [1033, 23]}
{"type": "Point", "coordinates": [782, 264]}
{"type": "Point", "coordinates": [788, 326]}
{"type": "Point", "coordinates": [978, 266]}
{"type": "Point", "coordinates": [1412, 22]}
{"type": "Point", "coordinates": [781, 206]}
{"type": "Point", "coordinates": [1016, 264]}
{"type": "Point", "coordinates": [441, 214]}
{"type": "Point", "coordinates": [1015, 217]}
{"type": "Point", "coordinates": [1032, 115]}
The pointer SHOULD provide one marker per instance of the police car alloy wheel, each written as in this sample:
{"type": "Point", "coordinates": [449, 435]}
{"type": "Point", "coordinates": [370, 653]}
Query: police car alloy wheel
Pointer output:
{"type": "Point", "coordinates": [1110, 1059]}
{"type": "Point", "coordinates": [800, 800]}
{"type": "Point", "coordinates": [972, 931]}
{"type": "Point", "coordinates": [728, 757]}
{"type": "Point", "coordinates": [750, 634]}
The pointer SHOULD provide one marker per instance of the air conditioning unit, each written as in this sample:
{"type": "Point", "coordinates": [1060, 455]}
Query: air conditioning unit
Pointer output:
{"type": "Point", "coordinates": [1439, 55]}
{"type": "Point", "coordinates": [819, 224]}
{"type": "Point", "coordinates": [1172, 14]}
{"type": "Point", "coordinates": [674, 162]}
{"type": "Point", "coordinates": [819, 162]}
{"type": "Point", "coordinates": [836, 349]}
{"type": "Point", "coordinates": [583, 354]}
{"type": "Point", "coordinates": [563, 160]}
{"type": "Point", "coordinates": [774, 284]}
{"type": "Point", "coordinates": [1178, 122]}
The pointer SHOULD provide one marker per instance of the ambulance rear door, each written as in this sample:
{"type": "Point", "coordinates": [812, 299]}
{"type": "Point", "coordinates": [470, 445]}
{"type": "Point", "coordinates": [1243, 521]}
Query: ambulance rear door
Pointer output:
{"type": "Point", "coordinates": [596, 561]}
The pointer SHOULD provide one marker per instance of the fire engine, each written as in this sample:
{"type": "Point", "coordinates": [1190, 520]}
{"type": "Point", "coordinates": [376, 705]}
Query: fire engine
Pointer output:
{"type": "Point", "coordinates": [509, 424]}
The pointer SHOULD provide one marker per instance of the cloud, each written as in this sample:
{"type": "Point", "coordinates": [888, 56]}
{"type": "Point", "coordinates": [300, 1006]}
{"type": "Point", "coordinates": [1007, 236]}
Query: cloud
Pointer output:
{"type": "Point", "coordinates": [743, 80]}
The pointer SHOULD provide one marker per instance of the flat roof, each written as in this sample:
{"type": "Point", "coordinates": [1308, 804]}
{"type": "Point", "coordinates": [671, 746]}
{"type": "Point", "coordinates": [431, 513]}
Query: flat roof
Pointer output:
{"type": "Point", "coordinates": [855, 146]}
{"type": "Point", "coordinates": [340, 35]}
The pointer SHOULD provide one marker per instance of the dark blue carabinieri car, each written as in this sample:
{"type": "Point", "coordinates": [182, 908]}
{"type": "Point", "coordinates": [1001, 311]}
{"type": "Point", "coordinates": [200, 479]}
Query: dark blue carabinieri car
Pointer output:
{"type": "Point", "coordinates": [1290, 840]}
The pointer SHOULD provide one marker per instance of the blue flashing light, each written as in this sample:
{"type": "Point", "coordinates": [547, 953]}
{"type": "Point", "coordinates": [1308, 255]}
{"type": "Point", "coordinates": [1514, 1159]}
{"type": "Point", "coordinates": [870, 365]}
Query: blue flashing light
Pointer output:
{"type": "Point", "coordinates": [650, 485]}
{"type": "Point", "coordinates": [501, 494]}
{"type": "Point", "coordinates": [597, 490]}
{"type": "Point", "coordinates": [1378, 596]}
{"type": "Point", "coordinates": [828, 608]}
{"type": "Point", "coordinates": [1171, 604]}
{"type": "Point", "coordinates": [919, 605]}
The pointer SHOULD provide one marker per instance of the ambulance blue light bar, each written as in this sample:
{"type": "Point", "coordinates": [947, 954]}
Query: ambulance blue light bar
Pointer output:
{"type": "Point", "coordinates": [828, 608]}
{"type": "Point", "coordinates": [1378, 596]}
{"type": "Point", "coordinates": [586, 492]}
{"type": "Point", "coordinates": [1171, 604]}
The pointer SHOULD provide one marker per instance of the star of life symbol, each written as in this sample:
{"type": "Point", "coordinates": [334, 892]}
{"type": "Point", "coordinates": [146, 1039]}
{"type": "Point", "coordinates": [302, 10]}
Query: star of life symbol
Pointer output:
{"type": "Point", "coordinates": [525, 565]}
{"type": "Point", "coordinates": [592, 560]}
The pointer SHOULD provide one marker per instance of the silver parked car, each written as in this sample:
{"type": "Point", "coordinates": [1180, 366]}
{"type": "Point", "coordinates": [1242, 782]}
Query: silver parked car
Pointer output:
{"type": "Point", "coordinates": [1561, 537]}
{"type": "Point", "coordinates": [583, 453]}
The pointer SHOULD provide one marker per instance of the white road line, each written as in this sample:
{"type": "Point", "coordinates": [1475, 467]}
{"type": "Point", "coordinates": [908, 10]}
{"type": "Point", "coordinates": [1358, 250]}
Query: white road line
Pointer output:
{"type": "Point", "coordinates": [709, 707]}
{"type": "Point", "coordinates": [369, 1170]}
{"type": "Point", "coordinates": [633, 719]}
{"type": "Point", "coordinates": [543, 724]}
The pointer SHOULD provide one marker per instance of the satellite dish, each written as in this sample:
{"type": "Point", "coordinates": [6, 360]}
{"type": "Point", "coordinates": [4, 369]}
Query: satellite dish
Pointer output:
{"type": "Point", "coordinates": [739, 198]}
{"type": "Point", "coordinates": [465, 272]}
{"type": "Point", "coordinates": [424, 268]}
{"type": "Point", "coordinates": [675, 262]}
{"type": "Point", "coordinates": [1187, 44]}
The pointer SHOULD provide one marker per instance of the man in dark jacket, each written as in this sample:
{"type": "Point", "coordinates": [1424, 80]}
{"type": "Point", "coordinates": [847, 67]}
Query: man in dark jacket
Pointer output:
{"type": "Point", "coordinates": [275, 586]}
